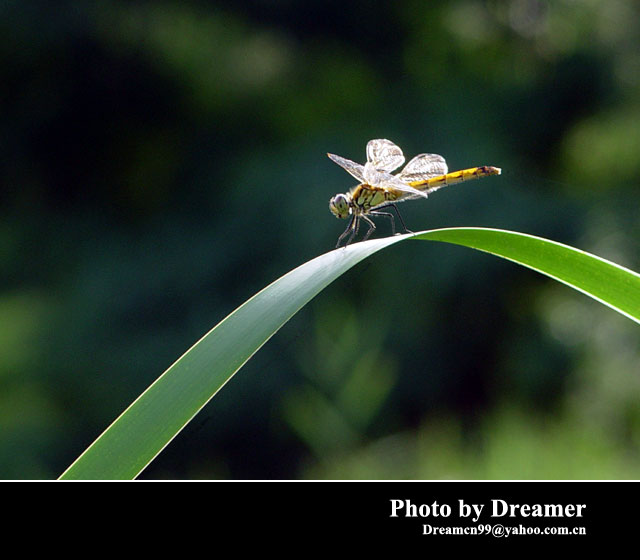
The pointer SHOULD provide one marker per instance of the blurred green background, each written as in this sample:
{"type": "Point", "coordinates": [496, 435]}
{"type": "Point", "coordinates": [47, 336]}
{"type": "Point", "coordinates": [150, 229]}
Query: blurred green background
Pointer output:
{"type": "Point", "coordinates": [163, 161]}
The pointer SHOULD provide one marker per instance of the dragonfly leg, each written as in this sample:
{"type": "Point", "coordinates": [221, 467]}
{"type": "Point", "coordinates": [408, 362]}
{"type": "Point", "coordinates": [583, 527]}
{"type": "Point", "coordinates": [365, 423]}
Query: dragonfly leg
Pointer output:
{"type": "Point", "coordinates": [406, 229]}
{"type": "Point", "coordinates": [356, 227]}
{"type": "Point", "coordinates": [395, 207]}
{"type": "Point", "coordinates": [372, 226]}
{"type": "Point", "coordinates": [388, 215]}
{"type": "Point", "coordinates": [352, 229]}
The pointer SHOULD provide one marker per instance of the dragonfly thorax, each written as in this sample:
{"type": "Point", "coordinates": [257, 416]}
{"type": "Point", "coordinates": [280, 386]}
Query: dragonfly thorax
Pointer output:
{"type": "Point", "coordinates": [340, 206]}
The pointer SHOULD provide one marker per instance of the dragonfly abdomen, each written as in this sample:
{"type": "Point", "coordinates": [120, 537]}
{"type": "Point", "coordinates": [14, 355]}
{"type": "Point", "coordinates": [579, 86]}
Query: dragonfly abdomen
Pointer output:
{"type": "Point", "coordinates": [456, 177]}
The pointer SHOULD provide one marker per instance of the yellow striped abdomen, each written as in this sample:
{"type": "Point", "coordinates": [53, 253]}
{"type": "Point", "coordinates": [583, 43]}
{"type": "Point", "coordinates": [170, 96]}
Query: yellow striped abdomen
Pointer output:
{"type": "Point", "coordinates": [455, 177]}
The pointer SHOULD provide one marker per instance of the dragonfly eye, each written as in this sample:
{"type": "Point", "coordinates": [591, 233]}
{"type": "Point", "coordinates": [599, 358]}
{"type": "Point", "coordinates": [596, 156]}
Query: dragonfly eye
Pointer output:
{"type": "Point", "coordinates": [339, 205]}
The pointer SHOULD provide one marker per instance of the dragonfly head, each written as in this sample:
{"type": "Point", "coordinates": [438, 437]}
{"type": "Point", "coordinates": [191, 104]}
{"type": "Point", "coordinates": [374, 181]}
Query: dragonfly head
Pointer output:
{"type": "Point", "coordinates": [339, 206]}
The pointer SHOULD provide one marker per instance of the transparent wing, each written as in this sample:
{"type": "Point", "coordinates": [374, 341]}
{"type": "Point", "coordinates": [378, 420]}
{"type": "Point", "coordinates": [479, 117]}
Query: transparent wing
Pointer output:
{"type": "Point", "coordinates": [384, 155]}
{"type": "Point", "coordinates": [395, 183]}
{"type": "Point", "coordinates": [423, 167]}
{"type": "Point", "coordinates": [375, 177]}
{"type": "Point", "coordinates": [352, 167]}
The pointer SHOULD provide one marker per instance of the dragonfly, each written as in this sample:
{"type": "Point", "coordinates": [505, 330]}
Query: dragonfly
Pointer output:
{"type": "Point", "coordinates": [378, 189]}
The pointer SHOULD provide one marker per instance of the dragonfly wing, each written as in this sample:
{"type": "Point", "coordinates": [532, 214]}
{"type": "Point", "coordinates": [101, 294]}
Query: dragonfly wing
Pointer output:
{"type": "Point", "coordinates": [384, 155]}
{"type": "Point", "coordinates": [352, 167]}
{"type": "Point", "coordinates": [394, 183]}
{"type": "Point", "coordinates": [423, 167]}
{"type": "Point", "coordinates": [375, 177]}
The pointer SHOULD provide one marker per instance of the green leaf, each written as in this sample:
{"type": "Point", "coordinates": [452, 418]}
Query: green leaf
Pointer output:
{"type": "Point", "coordinates": [160, 412]}
{"type": "Point", "coordinates": [607, 282]}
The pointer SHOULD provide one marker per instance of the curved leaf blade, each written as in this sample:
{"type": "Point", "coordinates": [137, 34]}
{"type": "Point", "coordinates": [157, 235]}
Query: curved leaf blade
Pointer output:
{"type": "Point", "coordinates": [136, 437]}
{"type": "Point", "coordinates": [607, 282]}
{"type": "Point", "coordinates": [161, 411]}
